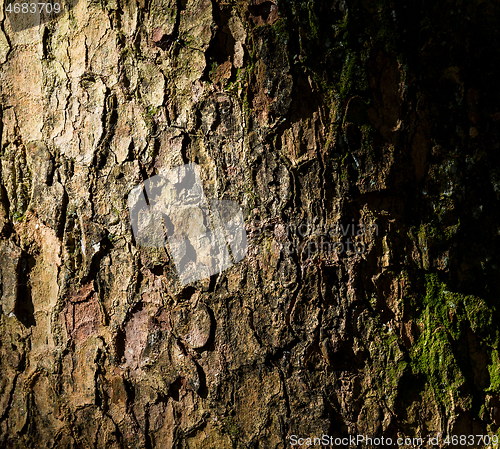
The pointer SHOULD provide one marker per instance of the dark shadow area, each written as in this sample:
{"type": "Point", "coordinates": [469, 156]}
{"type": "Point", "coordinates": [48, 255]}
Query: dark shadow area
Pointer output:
{"type": "Point", "coordinates": [24, 309]}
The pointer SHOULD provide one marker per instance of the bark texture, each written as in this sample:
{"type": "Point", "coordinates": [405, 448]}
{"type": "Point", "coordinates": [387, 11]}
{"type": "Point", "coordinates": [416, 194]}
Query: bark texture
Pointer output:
{"type": "Point", "coordinates": [380, 114]}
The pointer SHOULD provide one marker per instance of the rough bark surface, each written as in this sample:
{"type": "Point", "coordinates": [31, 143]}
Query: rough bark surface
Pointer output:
{"type": "Point", "coordinates": [378, 114]}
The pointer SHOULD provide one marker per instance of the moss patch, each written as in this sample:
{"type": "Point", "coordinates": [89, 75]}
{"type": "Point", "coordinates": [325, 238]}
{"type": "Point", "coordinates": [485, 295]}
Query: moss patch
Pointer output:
{"type": "Point", "coordinates": [446, 318]}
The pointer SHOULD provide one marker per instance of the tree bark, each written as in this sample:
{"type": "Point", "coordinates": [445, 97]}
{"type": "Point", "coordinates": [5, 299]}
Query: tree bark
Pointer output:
{"type": "Point", "coordinates": [360, 139]}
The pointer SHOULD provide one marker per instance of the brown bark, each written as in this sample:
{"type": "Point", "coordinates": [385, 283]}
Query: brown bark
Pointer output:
{"type": "Point", "coordinates": [318, 114]}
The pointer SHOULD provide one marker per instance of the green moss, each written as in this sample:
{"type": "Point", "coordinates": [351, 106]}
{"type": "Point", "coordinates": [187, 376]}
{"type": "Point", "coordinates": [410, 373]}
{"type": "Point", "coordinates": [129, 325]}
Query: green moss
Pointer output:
{"type": "Point", "coordinates": [444, 318]}
{"type": "Point", "coordinates": [235, 86]}
{"type": "Point", "coordinates": [17, 216]}
{"type": "Point", "coordinates": [353, 77]}
{"type": "Point", "coordinates": [231, 427]}
{"type": "Point", "coordinates": [280, 28]}
{"type": "Point", "coordinates": [313, 22]}
{"type": "Point", "coordinates": [494, 370]}
{"type": "Point", "coordinates": [343, 168]}
{"type": "Point", "coordinates": [479, 315]}
{"type": "Point", "coordinates": [148, 116]}
{"type": "Point", "coordinates": [213, 71]}
{"type": "Point", "coordinates": [252, 196]}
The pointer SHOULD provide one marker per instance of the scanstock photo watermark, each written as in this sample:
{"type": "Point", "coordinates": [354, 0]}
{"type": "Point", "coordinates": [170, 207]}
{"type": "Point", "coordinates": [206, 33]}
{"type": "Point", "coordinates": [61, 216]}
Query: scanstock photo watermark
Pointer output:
{"type": "Point", "coordinates": [205, 236]}
{"type": "Point", "coordinates": [400, 441]}
{"type": "Point", "coordinates": [308, 238]}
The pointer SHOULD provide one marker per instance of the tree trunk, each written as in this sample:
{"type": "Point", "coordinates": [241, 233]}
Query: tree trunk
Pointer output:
{"type": "Point", "coordinates": [361, 140]}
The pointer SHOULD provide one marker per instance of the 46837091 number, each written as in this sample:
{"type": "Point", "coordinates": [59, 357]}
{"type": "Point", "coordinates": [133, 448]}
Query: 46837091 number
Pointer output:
{"type": "Point", "coordinates": [33, 8]}
{"type": "Point", "coordinates": [471, 440]}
